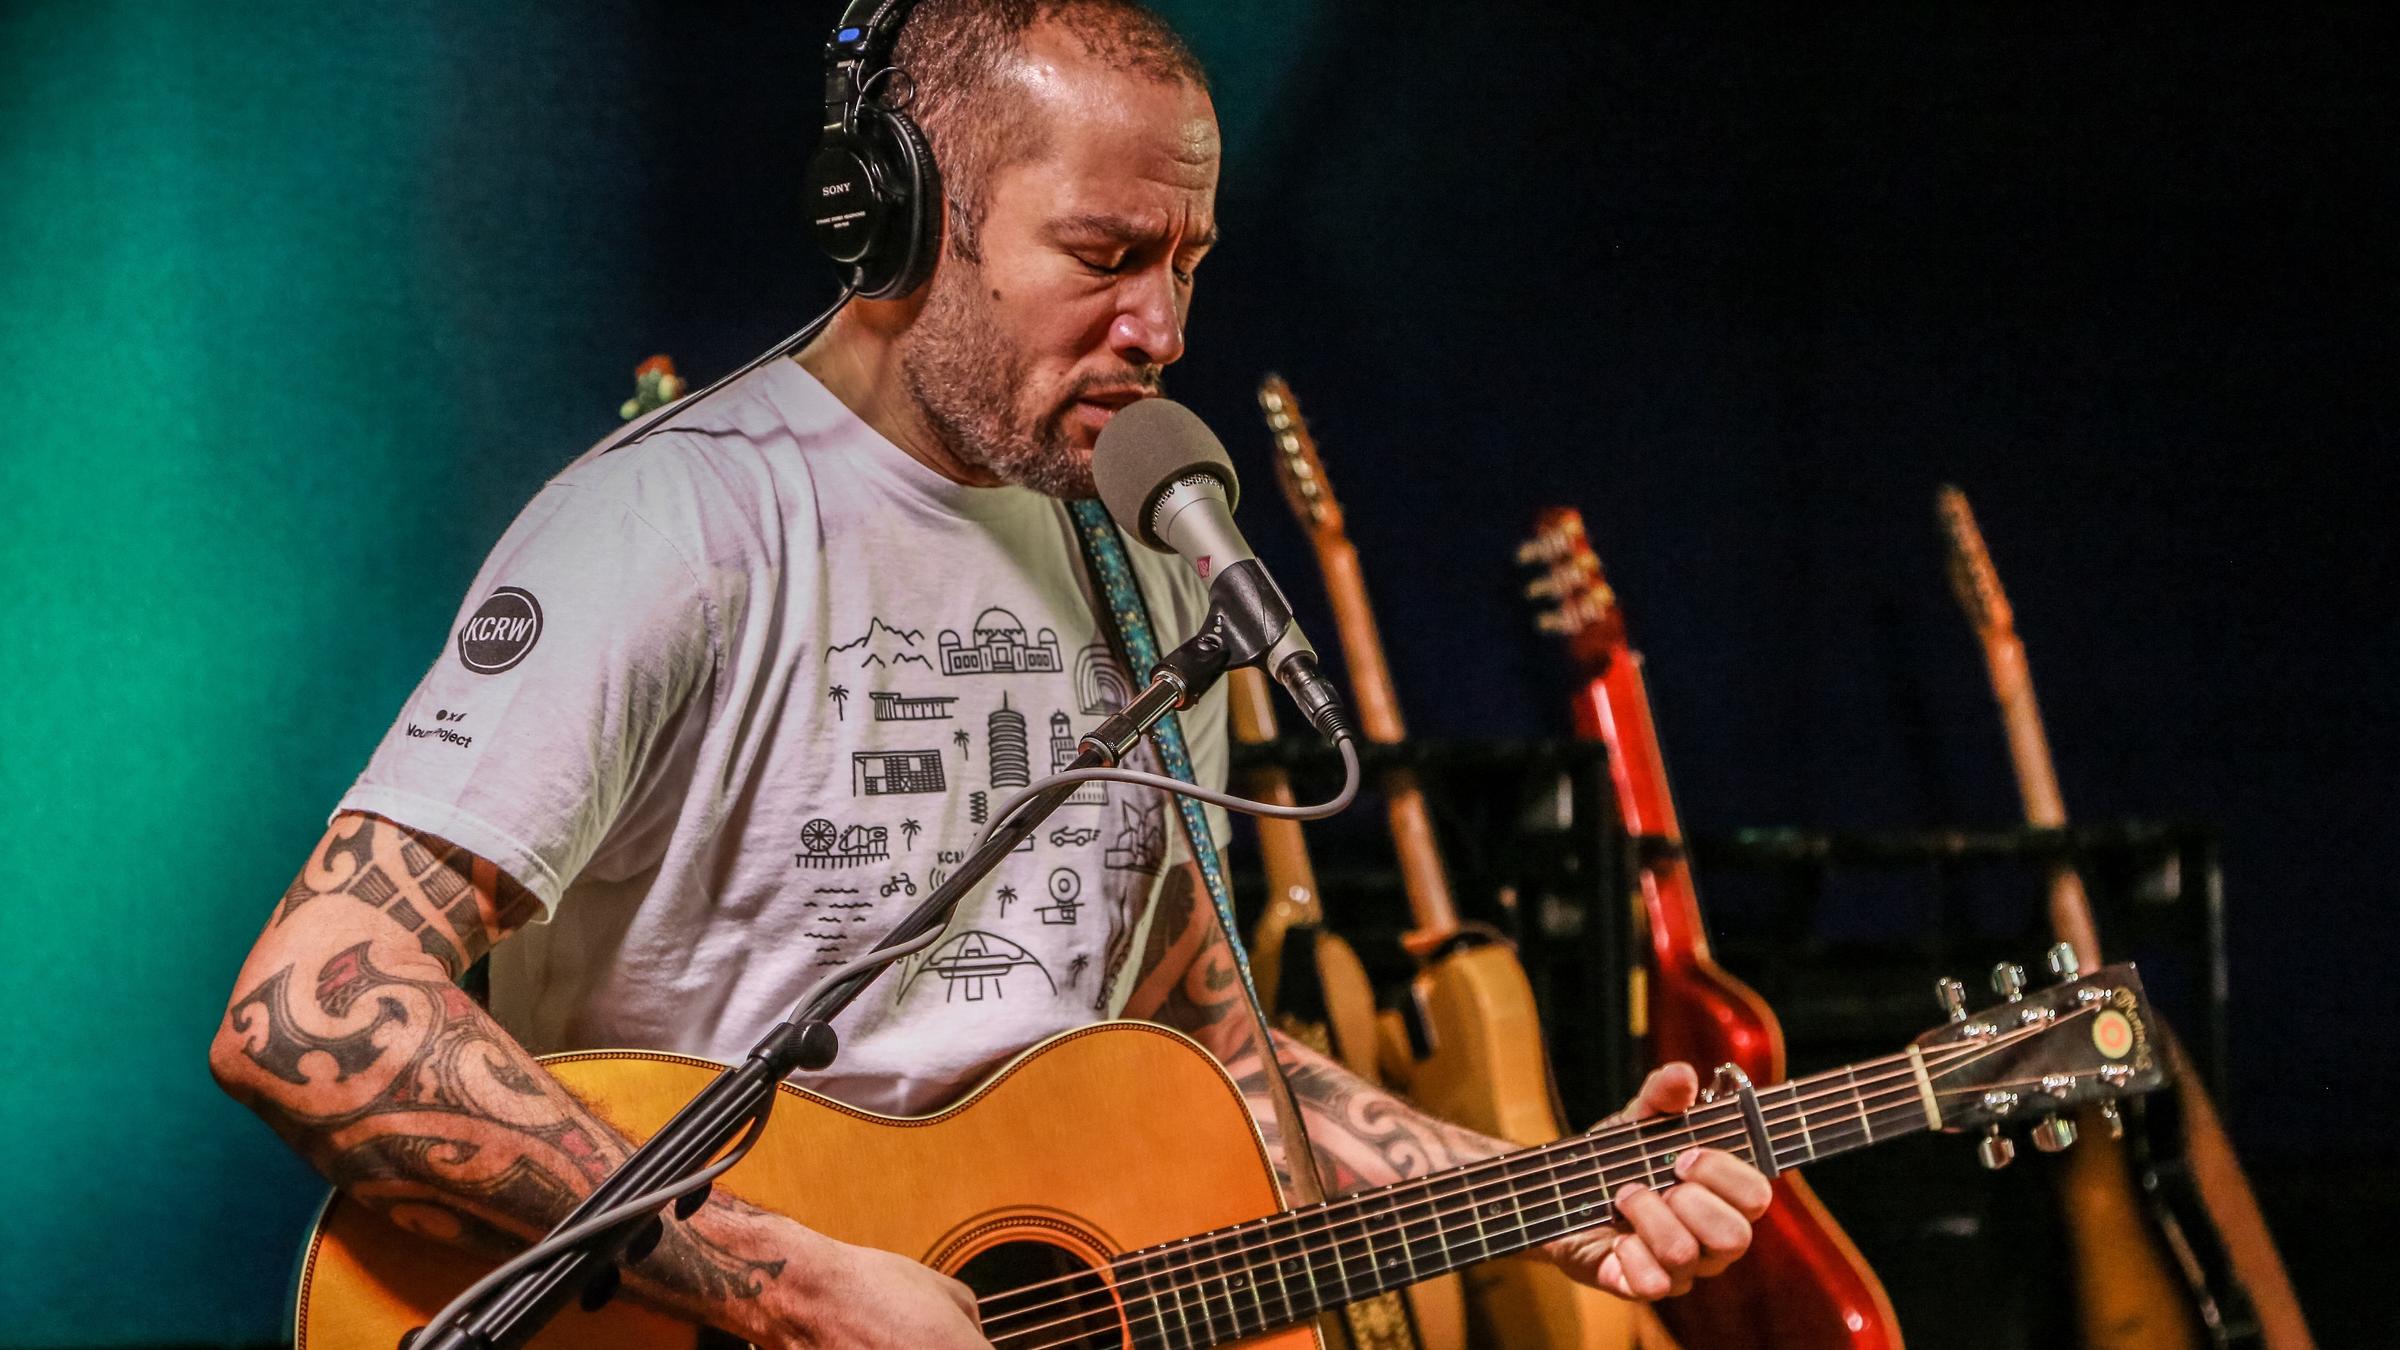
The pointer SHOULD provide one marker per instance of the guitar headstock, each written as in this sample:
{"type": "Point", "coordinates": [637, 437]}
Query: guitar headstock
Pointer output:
{"type": "Point", "coordinates": [1297, 469]}
{"type": "Point", "coordinates": [1572, 597]}
{"type": "Point", "coordinates": [1972, 575]}
{"type": "Point", "coordinates": [2039, 1055]}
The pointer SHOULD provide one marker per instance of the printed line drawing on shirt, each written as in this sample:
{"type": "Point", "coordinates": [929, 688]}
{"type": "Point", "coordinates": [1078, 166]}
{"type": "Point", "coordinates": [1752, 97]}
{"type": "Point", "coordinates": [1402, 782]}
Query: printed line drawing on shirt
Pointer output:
{"type": "Point", "coordinates": [899, 884]}
{"type": "Point", "coordinates": [841, 702]}
{"type": "Point", "coordinates": [1004, 747]}
{"type": "Point", "coordinates": [1076, 967]}
{"type": "Point", "coordinates": [1064, 745]}
{"type": "Point", "coordinates": [909, 830]}
{"type": "Point", "coordinates": [979, 808]}
{"type": "Point", "coordinates": [1062, 837]}
{"type": "Point", "coordinates": [1140, 844]}
{"type": "Point", "coordinates": [977, 965]}
{"type": "Point", "coordinates": [833, 890]}
{"type": "Point", "coordinates": [950, 857]}
{"type": "Point", "coordinates": [962, 740]}
{"type": "Point", "coordinates": [1066, 890]}
{"type": "Point", "coordinates": [823, 846]}
{"type": "Point", "coordinates": [881, 645]}
{"type": "Point", "coordinates": [935, 878]}
{"type": "Point", "coordinates": [1006, 895]}
{"type": "Point", "coordinates": [999, 647]}
{"type": "Point", "coordinates": [896, 773]}
{"type": "Point", "coordinates": [1100, 684]}
{"type": "Point", "coordinates": [894, 707]}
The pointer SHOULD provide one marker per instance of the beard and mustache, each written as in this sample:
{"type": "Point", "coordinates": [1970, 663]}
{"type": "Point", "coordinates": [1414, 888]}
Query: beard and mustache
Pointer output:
{"type": "Point", "coordinates": [969, 380]}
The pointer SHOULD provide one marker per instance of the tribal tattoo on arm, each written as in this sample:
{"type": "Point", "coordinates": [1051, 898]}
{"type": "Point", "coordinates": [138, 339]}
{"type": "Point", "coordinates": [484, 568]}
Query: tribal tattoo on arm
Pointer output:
{"type": "Point", "coordinates": [1362, 1135]}
{"type": "Point", "coordinates": [349, 1035]}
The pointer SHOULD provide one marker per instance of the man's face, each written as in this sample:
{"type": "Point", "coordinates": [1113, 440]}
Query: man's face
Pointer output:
{"type": "Point", "coordinates": [1086, 274]}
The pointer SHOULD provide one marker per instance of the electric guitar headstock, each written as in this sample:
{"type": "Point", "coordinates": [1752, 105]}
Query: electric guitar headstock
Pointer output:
{"type": "Point", "coordinates": [2037, 1056]}
{"type": "Point", "coordinates": [1972, 575]}
{"type": "Point", "coordinates": [1572, 596]}
{"type": "Point", "coordinates": [1298, 470]}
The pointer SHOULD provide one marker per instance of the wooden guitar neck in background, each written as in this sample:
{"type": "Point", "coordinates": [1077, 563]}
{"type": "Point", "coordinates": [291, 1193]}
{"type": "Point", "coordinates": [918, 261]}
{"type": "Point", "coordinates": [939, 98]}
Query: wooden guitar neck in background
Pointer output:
{"type": "Point", "coordinates": [2142, 1279]}
{"type": "Point", "coordinates": [1336, 1014]}
{"type": "Point", "coordinates": [1486, 1067]}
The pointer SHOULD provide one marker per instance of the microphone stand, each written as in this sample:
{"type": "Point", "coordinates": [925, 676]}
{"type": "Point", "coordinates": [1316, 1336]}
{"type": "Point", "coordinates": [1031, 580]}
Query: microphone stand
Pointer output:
{"type": "Point", "coordinates": [519, 1307]}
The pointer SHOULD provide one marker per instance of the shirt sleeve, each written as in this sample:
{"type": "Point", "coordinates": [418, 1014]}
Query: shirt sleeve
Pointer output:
{"type": "Point", "coordinates": [584, 640]}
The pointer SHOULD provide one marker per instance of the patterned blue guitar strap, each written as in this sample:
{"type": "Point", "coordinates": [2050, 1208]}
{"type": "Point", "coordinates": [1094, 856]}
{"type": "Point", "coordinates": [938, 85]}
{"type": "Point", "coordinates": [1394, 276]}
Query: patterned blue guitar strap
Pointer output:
{"type": "Point", "coordinates": [1127, 620]}
{"type": "Point", "coordinates": [1129, 631]}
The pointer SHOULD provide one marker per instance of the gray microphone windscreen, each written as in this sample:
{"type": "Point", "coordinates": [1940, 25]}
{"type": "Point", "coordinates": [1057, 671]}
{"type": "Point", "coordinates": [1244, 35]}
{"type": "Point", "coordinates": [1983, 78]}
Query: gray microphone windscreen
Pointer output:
{"type": "Point", "coordinates": [1146, 448]}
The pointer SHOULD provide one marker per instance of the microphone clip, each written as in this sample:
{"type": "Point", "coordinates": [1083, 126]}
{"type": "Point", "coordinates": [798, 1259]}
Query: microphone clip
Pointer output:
{"type": "Point", "coordinates": [1249, 624]}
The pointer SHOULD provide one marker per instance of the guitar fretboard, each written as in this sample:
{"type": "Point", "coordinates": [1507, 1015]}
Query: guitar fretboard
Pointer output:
{"type": "Point", "coordinates": [1273, 1272]}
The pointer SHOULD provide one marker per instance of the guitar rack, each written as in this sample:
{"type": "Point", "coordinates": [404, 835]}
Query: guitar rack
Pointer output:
{"type": "Point", "coordinates": [1536, 851]}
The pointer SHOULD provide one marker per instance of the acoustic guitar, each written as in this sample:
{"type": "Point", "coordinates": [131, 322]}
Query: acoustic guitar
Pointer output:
{"type": "Point", "coordinates": [1108, 1190]}
{"type": "Point", "coordinates": [2170, 1248]}
{"type": "Point", "coordinates": [1317, 991]}
{"type": "Point", "coordinates": [1803, 1284]}
{"type": "Point", "coordinates": [1486, 1068]}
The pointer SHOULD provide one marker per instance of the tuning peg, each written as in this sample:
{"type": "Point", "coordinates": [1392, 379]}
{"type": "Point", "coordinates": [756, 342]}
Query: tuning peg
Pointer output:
{"type": "Point", "coordinates": [2115, 1122]}
{"type": "Point", "coordinates": [2009, 978]}
{"type": "Point", "coordinates": [2063, 962]}
{"type": "Point", "coordinates": [1542, 587]}
{"type": "Point", "coordinates": [1553, 621]}
{"type": "Point", "coordinates": [1952, 996]}
{"type": "Point", "coordinates": [1994, 1150]}
{"type": "Point", "coordinates": [2055, 1135]}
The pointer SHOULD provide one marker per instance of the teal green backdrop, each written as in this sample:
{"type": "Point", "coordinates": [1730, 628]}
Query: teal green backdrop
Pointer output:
{"type": "Point", "coordinates": [300, 305]}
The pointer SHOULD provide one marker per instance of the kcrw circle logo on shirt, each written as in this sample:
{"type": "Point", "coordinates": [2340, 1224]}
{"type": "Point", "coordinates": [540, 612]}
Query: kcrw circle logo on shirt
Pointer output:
{"type": "Point", "coordinates": [502, 631]}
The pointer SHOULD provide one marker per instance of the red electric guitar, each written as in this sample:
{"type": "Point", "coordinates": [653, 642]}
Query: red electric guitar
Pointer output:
{"type": "Point", "coordinates": [1802, 1286]}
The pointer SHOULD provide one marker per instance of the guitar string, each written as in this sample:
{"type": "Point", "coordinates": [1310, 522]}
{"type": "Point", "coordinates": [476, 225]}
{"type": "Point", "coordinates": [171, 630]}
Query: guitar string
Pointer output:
{"type": "Point", "coordinates": [1901, 1107]}
{"type": "Point", "coordinates": [1565, 1155]}
{"type": "Point", "coordinates": [1951, 1058]}
{"type": "Point", "coordinates": [1500, 1162]}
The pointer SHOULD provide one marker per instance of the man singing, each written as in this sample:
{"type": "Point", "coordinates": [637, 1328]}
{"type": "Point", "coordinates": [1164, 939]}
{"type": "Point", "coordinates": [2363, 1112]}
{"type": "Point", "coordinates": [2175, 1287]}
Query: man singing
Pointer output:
{"type": "Point", "coordinates": [724, 702]}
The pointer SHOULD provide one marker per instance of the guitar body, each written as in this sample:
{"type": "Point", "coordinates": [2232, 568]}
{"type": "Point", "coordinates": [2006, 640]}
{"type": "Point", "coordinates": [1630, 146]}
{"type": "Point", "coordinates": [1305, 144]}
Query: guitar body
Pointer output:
{"type": "Point", "coordinates": [1095, 1142]}
{"type": "Point", "coordinates": [1487, 1071]}
{"type": "Point", "coordinates": [1803, 1283]}
{"type": "Point", "coordinates": [1316, 989]}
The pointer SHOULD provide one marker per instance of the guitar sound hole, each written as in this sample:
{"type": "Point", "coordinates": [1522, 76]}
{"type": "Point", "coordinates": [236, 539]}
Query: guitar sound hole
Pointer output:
{"type": "Point", "coordinates": [1038, 1294]}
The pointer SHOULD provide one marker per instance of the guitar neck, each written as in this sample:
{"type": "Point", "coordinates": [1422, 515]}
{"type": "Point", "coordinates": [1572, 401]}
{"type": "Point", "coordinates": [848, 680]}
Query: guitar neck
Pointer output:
{"type": "Point", "coordinates": [1241, 1281]}
{"type": "Point", "coordinates": [1426, 880]}
{"type": "Point", "coordinates": [2037, 784]}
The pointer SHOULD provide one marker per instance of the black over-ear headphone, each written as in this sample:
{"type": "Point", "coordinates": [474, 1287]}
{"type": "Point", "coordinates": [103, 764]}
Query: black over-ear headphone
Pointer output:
{"type": "Point", "coordinates": [873, 191]}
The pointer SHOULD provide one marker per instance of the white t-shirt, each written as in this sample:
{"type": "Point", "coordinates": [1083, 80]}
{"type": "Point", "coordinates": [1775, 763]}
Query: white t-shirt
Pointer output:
{"type": "Point", "coordinates": [729, 701]}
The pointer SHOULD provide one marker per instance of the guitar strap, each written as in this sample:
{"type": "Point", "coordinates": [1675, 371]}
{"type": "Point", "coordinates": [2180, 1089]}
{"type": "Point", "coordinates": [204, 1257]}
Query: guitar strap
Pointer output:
{"type": "Point", "coordinates": [1125, 620]}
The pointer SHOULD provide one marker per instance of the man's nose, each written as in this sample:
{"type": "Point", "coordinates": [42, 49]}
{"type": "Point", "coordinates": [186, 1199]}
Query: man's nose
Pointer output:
{"type": "Point", "coordinates": [1148, 329]}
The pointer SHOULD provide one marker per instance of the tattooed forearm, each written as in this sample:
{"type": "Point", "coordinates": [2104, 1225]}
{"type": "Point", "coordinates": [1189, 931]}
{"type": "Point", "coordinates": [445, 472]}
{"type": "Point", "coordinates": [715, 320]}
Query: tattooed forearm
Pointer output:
{"type": "Point", "coordinates": [350, 1037]}
{"type": "Point", "coordinates": [1362, 1135]}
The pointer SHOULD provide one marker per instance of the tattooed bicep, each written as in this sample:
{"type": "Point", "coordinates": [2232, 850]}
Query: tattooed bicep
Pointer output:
{"type": "Point", "coordinates": [453, 904]}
